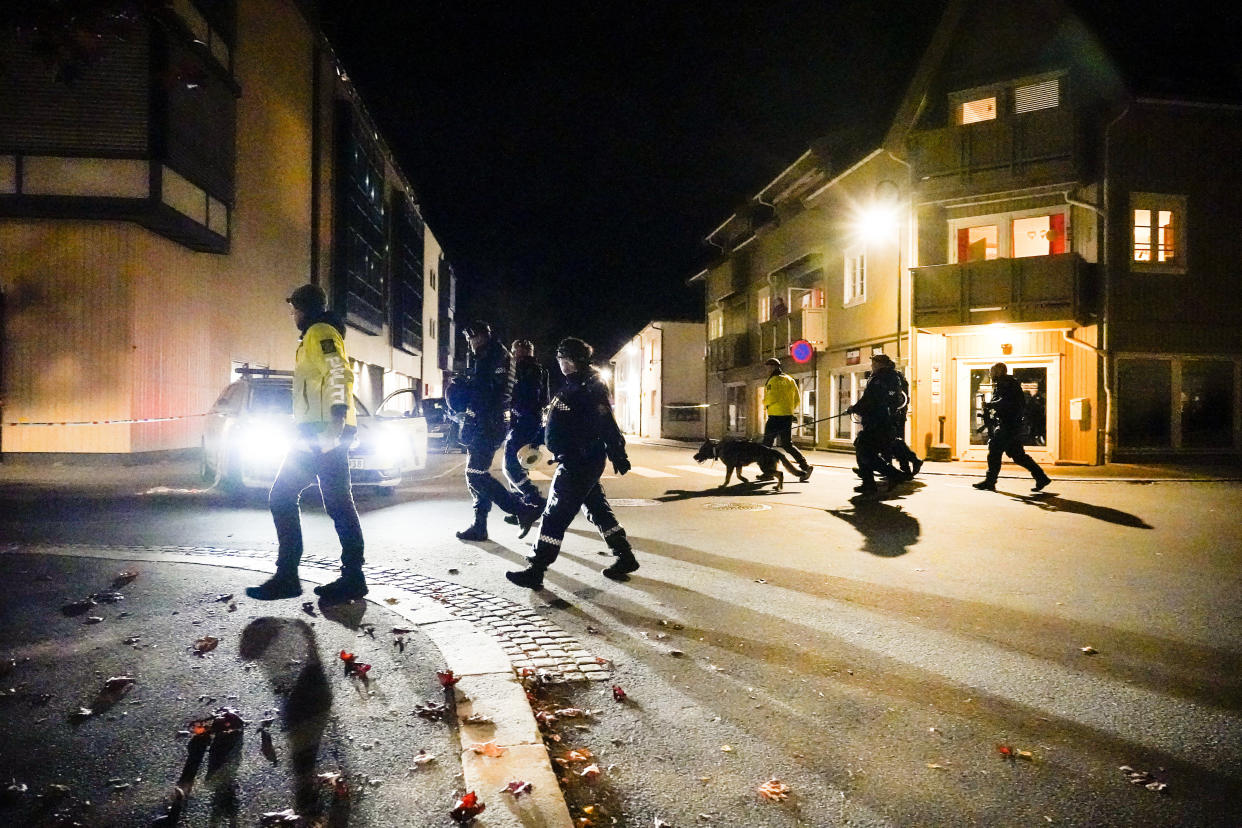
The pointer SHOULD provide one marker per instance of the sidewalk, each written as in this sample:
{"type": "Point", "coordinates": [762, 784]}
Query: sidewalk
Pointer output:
{"type": "Point", "coordinates": [1113, 472]}
{"type": "Point", "coordinates": [99, 701]}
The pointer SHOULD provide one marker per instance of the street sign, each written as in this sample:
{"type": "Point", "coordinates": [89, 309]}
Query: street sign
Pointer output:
{"type": "Point", "coordinates": [801, 351]}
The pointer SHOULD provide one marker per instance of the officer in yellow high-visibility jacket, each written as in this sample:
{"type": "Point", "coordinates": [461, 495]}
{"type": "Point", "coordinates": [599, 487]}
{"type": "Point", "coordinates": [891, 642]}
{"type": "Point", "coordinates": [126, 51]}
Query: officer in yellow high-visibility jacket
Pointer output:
{"type": "Point", "coordinates": [780, 401]}
{"type": "Point", "coordinates": [326, 422]}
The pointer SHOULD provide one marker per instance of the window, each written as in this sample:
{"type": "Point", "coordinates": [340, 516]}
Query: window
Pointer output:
{"type": "Point", "coordinates": [979, 243]}
{"type": "Point", "coordinates": [1176, 403]}
{"type": "Point", "coordinates": [1038, 235]}
{"type": "Point", "coordinates": [855, 277]}
{"type": "Point", "coordinates": [406, 310]}
{"type": "Point", "coordinates": [1019, 234]}
{"type": "Point", "coordinates": [1159, 235]}
{"type": "Point", "coordinates": [715, 324]}
{"type": "Point", "coordinates": [361, 244]}
{"type": "Point", "coordinates": [765, 304]}
{"type": "Point", "coordinates": [1035, 96]}
{"type": "Point", "coordinates": [980, 109]}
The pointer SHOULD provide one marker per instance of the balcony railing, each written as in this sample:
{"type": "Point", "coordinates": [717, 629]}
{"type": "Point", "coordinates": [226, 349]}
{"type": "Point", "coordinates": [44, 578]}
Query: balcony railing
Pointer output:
{"type": "Point", "coordinates": [730, 351]}
{"type": "Point", "coordinates": [1009, 152]}
{"type": "Point", "coordinates": [1030, 289]}
{"type": "Point", "coordinates": [776, 335]}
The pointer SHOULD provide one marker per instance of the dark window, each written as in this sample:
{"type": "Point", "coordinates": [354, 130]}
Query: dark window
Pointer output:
{"type": "Point", "coordinates": [1207, 403]}
{"type": "Point", "coordinates": [1145, 403]}
{"type": "Point", "coordinates": [271, 399]}
{"type": "Point", "coordinates": [199, 129]}
{"type": "Point", "coordinates": [360, 241]}
{"type": "Point", "coordinates": [407, 277]}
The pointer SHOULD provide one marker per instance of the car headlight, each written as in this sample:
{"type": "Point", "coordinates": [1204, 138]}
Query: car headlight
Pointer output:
{"type": "Point", "coordinates": [264, 443]}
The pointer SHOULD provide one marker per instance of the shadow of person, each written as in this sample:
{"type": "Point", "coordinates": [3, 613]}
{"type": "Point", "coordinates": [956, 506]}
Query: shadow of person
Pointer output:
{"type": "Point", "coordinates": [1055, 503]}
{"type": "Point", "coordinates": [281, 646]}
{"type": "Point", "coordinates": [888, 530]}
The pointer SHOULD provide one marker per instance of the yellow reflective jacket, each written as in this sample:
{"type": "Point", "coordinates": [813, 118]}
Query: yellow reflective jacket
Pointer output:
{"type": "Point", "coordinates": [322, 378]}
{"type": "Point", "coordinates": [780, 395]}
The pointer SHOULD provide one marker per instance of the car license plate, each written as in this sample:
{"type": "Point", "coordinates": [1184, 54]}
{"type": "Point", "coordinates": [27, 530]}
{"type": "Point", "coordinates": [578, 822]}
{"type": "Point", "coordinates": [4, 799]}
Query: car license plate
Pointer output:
{"type": "Point", "coordinates": [357, 463]}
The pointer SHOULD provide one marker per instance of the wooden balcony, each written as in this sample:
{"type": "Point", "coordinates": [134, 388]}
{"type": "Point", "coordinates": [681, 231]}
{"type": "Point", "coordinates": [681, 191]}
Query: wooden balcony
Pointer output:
{"type": "Point", "coordinates": [1008, 153]}
{"type": "Point", "coordinates": [1032, 289]}
{"type": "Point", "coordinates": [729, 351]}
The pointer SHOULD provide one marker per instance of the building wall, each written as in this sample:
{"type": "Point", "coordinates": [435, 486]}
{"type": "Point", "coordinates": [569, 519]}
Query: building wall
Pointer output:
{"type": "Point", "coordinates": [432, 377]}
{"type": "Point", "coordinates": [682, 380]}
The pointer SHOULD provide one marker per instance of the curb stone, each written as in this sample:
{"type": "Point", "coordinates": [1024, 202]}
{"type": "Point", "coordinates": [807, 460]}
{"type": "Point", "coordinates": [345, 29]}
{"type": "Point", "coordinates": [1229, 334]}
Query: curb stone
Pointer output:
{"type": "Point", "coordinates": [488, 686]}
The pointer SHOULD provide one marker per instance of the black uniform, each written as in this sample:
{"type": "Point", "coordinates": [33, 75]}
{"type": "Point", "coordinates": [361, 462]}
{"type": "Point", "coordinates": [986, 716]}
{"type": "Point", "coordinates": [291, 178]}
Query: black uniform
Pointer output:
{"type": "Point", "coordinates": [1007, 407]}
{"type": "Point", "coordinates": [898, 448]}
{"type": "Point", "coordinates": [881, 396]}
{"type": "Point", "coordinates": [581, 433]}
{"type": "Point", "coordinates": [530, 397]}
{"type": "Point", "coordinates": [489, 386]}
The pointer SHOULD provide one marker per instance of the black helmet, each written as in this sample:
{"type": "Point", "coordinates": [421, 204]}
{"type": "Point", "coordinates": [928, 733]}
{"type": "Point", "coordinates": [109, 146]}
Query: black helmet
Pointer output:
{"type": "Point", "coordinates": [477, 328]}
{"type": "Point", "coordinates": [309, 299]}
{"type": "Point", "coordinates": [574, 349]}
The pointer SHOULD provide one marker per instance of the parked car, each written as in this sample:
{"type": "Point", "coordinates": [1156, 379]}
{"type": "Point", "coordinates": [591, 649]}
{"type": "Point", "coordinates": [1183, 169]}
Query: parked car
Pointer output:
{"type": "Point", "coordinates": [250, 429]}
{"type": "Point", "coordinates": [442, 429]}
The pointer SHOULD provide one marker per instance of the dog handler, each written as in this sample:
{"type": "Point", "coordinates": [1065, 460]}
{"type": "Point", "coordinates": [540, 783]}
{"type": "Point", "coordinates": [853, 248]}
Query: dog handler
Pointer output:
{"type": "Point", "coordinates": [780, 401]}
{"type": "Point", "coordinates": [581, 434]}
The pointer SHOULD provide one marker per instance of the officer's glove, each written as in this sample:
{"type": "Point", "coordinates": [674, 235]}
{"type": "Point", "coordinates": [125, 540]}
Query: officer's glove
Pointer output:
{"type": "Point", "coordinates": [621, 465]}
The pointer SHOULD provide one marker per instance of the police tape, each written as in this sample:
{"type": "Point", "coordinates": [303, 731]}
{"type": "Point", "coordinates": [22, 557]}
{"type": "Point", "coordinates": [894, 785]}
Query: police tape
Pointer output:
{"type": "Point", "coordinates": [102, 422]}
{"type": "Point", "coordinates": [689, 405]}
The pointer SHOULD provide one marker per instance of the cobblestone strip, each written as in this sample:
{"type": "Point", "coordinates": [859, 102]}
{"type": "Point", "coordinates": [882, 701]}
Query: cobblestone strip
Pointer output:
{"type": "Point", "coordinates": [530, 641]}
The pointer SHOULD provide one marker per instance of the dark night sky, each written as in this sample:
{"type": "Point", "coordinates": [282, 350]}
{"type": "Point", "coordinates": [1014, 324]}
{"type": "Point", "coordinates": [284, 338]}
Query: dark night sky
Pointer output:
{"type": "Point", "coordinates": [572, 157]}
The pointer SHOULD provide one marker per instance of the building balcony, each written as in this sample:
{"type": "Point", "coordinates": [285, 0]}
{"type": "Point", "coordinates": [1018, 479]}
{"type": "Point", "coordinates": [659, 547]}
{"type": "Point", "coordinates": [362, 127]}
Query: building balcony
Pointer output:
{"type": "Point", "coordinates": [727, 278]}
{"type": "Point", "coordinates": [776, 335]}
{"type": "Point", "coordinates": [726, 352]}
{"type": "Point", "coordinates": [1031, 289]}
{"type": "Point", "coordinates": [1009, 153]}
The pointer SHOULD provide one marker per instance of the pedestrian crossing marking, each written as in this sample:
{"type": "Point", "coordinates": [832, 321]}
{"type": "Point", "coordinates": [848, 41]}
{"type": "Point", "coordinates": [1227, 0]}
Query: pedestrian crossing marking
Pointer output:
{"type": "Point", "coordinates": [710, 472]}
{"type": "Point", "coordinates": [643, 471]}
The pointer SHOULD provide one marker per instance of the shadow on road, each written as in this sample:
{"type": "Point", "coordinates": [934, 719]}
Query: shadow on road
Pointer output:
{"type": "Point", "coordinates": [750, 489]}
{"type": "Point", "coordinates": [888, 530]}
{"type": "Point", "coordinates": [1049, 502]}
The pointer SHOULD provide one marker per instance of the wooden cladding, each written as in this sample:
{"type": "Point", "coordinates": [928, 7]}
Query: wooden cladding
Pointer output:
{"type": "Point", "coordinates": [1029, 289]}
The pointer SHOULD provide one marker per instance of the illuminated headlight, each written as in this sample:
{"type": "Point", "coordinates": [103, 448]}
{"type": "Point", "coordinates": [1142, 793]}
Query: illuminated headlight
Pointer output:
{"type": "Point", "coordinates": [390, 446]}
{"type": "Point", "coordinates": [264, 444]}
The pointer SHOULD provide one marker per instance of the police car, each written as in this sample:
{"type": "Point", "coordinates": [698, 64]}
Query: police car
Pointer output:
{"type": "Point", "coordinates": [250, 429]}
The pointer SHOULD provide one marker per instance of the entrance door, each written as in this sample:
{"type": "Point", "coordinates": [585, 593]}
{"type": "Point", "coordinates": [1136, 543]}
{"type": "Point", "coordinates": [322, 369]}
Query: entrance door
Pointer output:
{"type": "Point", "coordinates": [1040, 387]}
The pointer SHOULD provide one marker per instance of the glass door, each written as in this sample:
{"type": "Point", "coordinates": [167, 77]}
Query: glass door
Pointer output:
{"type": "Point", "coordinates": [1039, 417]}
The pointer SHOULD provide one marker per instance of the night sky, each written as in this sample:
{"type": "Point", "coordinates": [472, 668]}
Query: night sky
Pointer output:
{"type": "Point", "coordinates": [572, 157]}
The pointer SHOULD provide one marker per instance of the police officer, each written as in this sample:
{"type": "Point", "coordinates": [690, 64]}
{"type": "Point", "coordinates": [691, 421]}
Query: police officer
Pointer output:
{"type": "Point", "coordinates": [488, 389]}
{"type": "Point", "coordinates": [530, 397]}
{"type": "Point", "coordinates": [875, 407]}
{"type": "Point", "coordinates": [907, 460]}
{"type": "Point", "coordinates": [1006, 410]}
{"type": "Point", "coordinates": [581, 434]}
{"type": "Point", "coordinates": [780, 401]}
{"type": "Point", "coordinates": [323, 410]}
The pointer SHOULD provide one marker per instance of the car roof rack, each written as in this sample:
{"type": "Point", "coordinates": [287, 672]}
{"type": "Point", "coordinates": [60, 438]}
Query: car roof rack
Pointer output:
{"type": "Point", "coordinates": [247, 371]}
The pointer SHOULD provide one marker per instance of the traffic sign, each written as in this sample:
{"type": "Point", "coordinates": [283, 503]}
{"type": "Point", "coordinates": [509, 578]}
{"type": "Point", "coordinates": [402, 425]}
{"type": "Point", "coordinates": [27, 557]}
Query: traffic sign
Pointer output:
{"type": "Point", "coordinates": [801, 351]}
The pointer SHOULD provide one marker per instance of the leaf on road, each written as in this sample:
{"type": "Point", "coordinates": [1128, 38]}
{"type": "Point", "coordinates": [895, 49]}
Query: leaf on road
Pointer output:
{"type": "Point", "coordinates": [591, 772]}
{"type": "Point", "coordinates": [477, 719]}
{"type": "Point", "coordinates": [205, 645]}
{"type": "Point", "coordinates": [118, 684]}
{"type": "Point", "coordinates": [1006, 751]}
{"type": "Point", "coordinates": [937, 766]}
{"type": "Point", "coordinates": [431, 710]}
{"type": "Point", "coordinates": [123, 578]}
{"type": "Point", "coordinates": [93, 619]}
{"type": "Point", "coordinates": [82, 713]}
{"type": "Point", "coordinates": [223, 598]}
{"type": "Point", "coordinates": [618, 695]}
{"type": "Point", "coordinates": [78, 607]}
{"type": "Point", "coordinates": [286, 817]}
{"type": "Point", "coordinates": [489, 748]}
{"type": "Point", "coordinates": [575, 713]}
{"type": "Point", "coordinates": [1088, 650]}
{"type": "Point", "coordinates": [467, 808]}
{"type": "Point", "coordinates": [1144, 778]}
{"type": "Point", "coordinates": [392, 600]}
{"type": "Point", "coordinates": [774, 790]}
{"type": "Point", "coordinates": [726, 748]}
{"type": "Point", "coordinates": [446, 677]}
{"type": "Point", "coordinates": [107, 597]}
{"type": "Point", "coordinates": [517, 788]}
{"type": "Point", "coordinates": [423, 758]}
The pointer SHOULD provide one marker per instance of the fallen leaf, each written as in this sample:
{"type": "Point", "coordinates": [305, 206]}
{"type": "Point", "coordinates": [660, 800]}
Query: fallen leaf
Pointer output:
{"type": "Point", "coordinates": [574, 713]}
{"type": "Point", "coordinates": [1088, 650]}
{"type": "Point", "coordinates": [224, 598]}
{"type": "Point", "coordinates": [423, 758]}
{"type": "Point", "coordinates": [1025, 754]}
{"type": "Point", "coordinates": [477, 719]}
{"type": "Point", "coordinates": [107, 597]}
{"type": "Point", "coordinates": [590, 773]}
{"type": "Point", "coordinates": [467, 808]}
{"type": "Point", "coordinates": [726, 748]}
{"type": "Point", "coordinates": [618, 695]}
{"type": "Point", "coordinates": [446, 677]}
{"type": "Point", "coordinates": [578, 755]}
{"type": "Point", "coordinates": [205, 645]}
{"type": "Point", "coordinates": [286, 817]}
{"type": "Point", "coordinates": [93, 619]}
{"type": "Point", "coordinates": [489, 748]}
{"type": "Point", "coordinates": [517, 788]}
{"type": "Point", "coordinates": [395, 601]}
{"type": "Point", "coordinates": [430, 710]}
{"type": "Point", "coordinates": [937, 766]}
{"type": "Point", "coordinates": [118, 684]}
{"type": "Point", "coordinates": [774, 790]}
{"type": "Point", "coordinates": [1006, 751]}
{"type": "Point", "coordinates": [1144, 778]}
{"type": "Point", "coordinates": [77, 607]}
{"type": "Point", "coordinates": [123, 578]}
{"type": "Point", "coordinates": [83, 713]}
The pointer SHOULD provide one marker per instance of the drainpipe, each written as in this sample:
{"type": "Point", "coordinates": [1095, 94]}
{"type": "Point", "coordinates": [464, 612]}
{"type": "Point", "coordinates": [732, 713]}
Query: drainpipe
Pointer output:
{"type": "Point", "coordinates": [1110, 410]}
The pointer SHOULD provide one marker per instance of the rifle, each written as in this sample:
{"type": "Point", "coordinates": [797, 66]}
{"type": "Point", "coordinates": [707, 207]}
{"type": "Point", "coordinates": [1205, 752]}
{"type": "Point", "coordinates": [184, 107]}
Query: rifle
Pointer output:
{"type": "Point", "coordinates": [989, 421]}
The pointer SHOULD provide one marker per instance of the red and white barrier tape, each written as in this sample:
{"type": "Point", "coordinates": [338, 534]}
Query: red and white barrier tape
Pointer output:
{"type": "Point", "coordinates": [103, 422]}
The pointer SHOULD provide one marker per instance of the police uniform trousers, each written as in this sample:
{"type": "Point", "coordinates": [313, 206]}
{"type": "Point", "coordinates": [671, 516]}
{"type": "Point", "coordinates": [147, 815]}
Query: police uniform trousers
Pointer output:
{"type": "Point", "coordinates": [1008, 440]}
{"type": "Point", "coordinates": [870, 449]}
{"type": "Point", "coordinates": [898, 448]}
{"type": "Point", "coordinates": [300, 470]}
{"type": "Point", "coordinates": [779, 430]}
{"type": "Point", "coordinates": [484, 488]}
{"type": "Point", "coordinates": [523, 431]}
{"type": "Point", "coordinates": [576, 486]}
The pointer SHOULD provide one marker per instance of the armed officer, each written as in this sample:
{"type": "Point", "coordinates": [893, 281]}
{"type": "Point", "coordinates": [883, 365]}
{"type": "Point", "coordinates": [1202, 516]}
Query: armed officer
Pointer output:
{"type": "Point", "coordinates": [488, 386]}
{"type": "Point", "coordinates": [1003, 414]}
{"type": "Point", "coordinates": [530, 397]}
{"type": "Point", "coordinates": [875, 407]}
{"type": "Point", "coordinates": [907, 460]}
{"type": "Point", "coordinates": [581, 434]}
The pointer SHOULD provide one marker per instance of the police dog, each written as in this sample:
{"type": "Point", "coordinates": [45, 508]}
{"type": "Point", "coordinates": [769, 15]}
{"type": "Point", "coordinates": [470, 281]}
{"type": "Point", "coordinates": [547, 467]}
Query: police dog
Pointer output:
{"type": "Point", "coordinates": [738, 453]}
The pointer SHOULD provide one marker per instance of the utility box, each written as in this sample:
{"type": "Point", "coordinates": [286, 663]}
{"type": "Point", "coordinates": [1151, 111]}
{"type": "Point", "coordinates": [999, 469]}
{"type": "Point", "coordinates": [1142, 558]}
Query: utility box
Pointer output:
{"type": "Point", "coordinates": [1080, 411]}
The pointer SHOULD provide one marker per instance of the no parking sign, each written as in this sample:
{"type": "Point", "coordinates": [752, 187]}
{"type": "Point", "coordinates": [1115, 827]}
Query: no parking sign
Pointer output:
{"type": "Point", "coordinates": [801, 351]}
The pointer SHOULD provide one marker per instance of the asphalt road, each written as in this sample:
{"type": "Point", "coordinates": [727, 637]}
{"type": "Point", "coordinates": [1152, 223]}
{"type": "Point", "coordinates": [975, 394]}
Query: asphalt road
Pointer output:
{"type": "Point", "coordinates": [876, 656]}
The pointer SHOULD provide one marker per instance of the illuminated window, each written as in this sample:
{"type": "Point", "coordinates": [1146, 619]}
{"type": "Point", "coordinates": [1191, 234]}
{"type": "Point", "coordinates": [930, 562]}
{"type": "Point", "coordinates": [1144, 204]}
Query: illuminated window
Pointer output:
{"type": "Point", "coordinates": [980, 109]}
{"type": "Point", "coordinates": [978, 243]}
{"type": "Point", "coordinates": [765, 304]}
{"type": "Point", "coordinates": [1158, 235]}
{"type": "Point", "coordinates": [855, 277]}
{"type": "Point", "coordinates": [715, 324]}
{"type": "Point", "coordinates": [1038, 235]}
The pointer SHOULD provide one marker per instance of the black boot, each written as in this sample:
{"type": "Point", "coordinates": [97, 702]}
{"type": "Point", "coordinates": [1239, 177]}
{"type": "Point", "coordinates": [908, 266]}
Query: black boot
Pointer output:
{"type": "Point", "coordinates": [476, 531]}
{"type": "Point", "coordinates": [527, 518]}
{"type": "Point", "coordinates": [623, 565]}
{"type": "Point", "coordinates": [806, 474]}
{"type": "Point", "coordinates": [530, 578]}
{"type": "Point", "coordinates": [512, 520]}
{"type": "Point", "coordinates": [349, 587]}
{"type": "Point", "coordinates": [985, 485]}
{"type": "Point", "coordinates": [1040, 482]}
{"type": "Point", "coordinates": [281, 585]}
